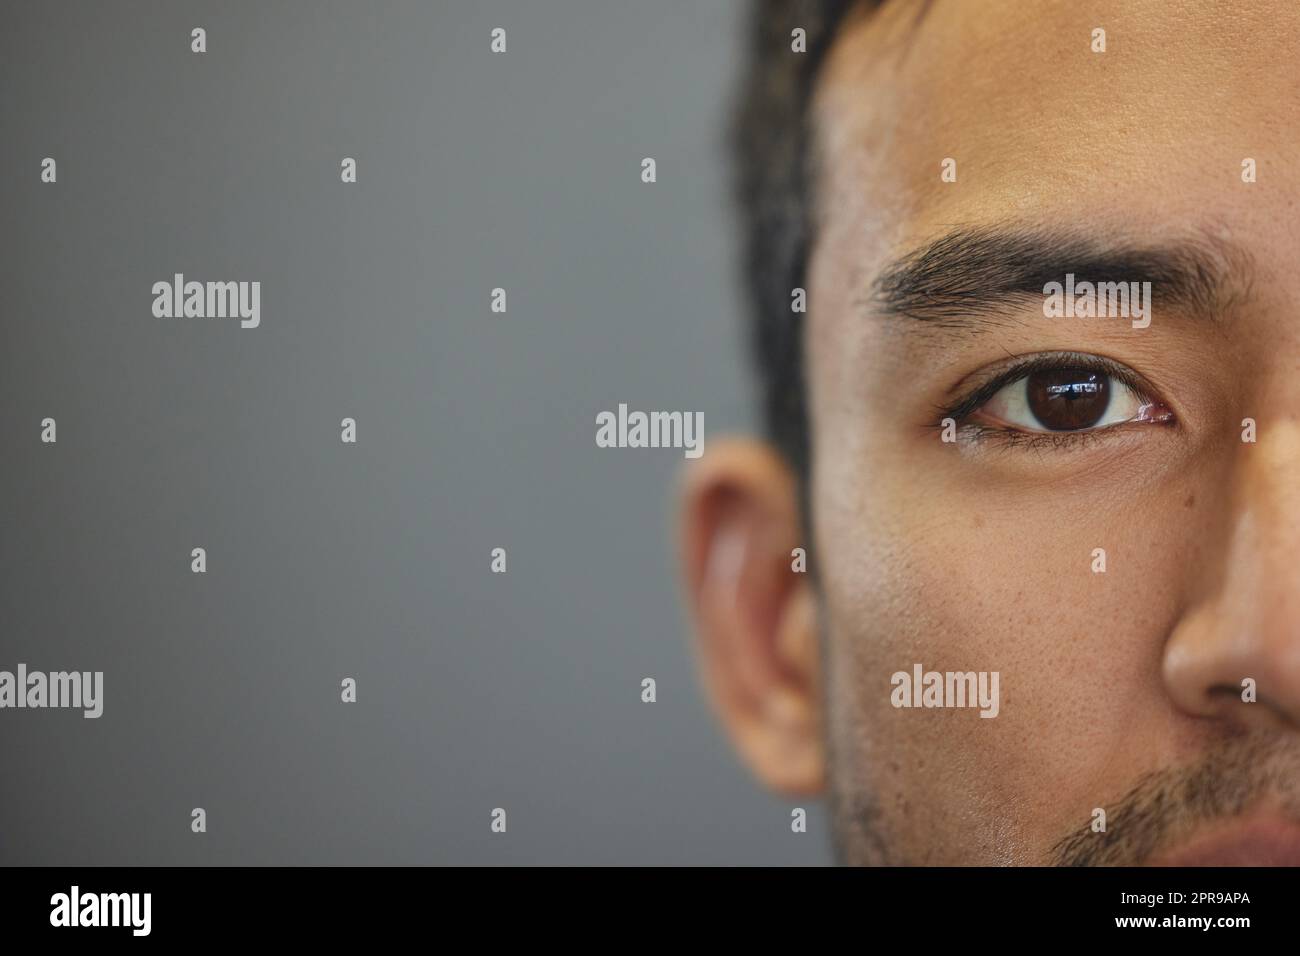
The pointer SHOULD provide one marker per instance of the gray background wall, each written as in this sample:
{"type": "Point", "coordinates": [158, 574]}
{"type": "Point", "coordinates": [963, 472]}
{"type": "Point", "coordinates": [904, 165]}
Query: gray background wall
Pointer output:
{"type": "Point", "coordinates": [325, 560]}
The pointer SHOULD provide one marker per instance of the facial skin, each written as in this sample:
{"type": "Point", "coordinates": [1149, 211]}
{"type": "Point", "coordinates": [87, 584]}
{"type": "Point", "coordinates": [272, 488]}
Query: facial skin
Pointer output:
{"type": "Point", "coordinates": [1120, 690]}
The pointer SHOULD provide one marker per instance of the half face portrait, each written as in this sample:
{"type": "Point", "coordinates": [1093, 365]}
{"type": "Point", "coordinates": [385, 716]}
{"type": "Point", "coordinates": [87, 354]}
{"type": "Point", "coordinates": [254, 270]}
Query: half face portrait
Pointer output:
{"type": "Point", "coordinates": [1012, 575]}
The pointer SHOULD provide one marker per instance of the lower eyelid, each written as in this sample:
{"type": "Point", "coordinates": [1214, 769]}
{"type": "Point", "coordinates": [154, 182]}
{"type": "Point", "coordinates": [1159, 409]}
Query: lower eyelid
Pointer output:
{"type": "Point", "coordinates": [1007, 437]}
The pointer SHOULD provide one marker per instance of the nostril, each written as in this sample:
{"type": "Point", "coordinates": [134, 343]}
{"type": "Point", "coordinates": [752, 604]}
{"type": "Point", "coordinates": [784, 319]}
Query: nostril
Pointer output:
{"type": "Point", "coordinates": [1227, 694]}
{"type": "Point", "coordinates": [1240, 704]}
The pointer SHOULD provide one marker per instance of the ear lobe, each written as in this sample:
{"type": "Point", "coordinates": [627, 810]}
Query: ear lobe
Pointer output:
{"type": "Point", "coordinates": [755, 616]}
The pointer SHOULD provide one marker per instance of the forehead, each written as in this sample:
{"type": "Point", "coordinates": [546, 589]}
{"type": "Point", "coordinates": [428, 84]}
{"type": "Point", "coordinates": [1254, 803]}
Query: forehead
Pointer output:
{"type": "Point", "coordinates": [1040, 125]}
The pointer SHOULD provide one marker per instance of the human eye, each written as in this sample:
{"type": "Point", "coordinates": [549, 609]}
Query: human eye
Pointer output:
{"type": "Point", "coordinates": [1057, 398]}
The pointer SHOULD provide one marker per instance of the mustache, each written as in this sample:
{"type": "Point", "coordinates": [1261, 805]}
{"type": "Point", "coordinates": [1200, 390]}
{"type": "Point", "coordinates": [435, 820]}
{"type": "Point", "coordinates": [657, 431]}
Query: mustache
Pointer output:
{"type": "Point", "coordinates": [1168, 805]}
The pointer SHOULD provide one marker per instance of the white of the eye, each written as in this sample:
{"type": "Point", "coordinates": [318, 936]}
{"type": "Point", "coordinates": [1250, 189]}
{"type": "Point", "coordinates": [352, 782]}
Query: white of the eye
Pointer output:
{"type": "Point", "coordinates": [1011, 405]}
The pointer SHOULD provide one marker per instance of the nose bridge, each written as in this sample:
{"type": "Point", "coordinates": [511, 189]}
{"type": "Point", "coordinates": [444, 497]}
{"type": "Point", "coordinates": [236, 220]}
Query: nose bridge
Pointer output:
{"type": "Point", "coordinates": [1248, 626]}
{"type": "Point", "coordinates": [1264, 551]}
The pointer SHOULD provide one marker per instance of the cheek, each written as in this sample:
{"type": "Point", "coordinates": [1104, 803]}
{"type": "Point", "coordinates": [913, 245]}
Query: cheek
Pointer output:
{"type": "Point", "coordinates": [919, 568]}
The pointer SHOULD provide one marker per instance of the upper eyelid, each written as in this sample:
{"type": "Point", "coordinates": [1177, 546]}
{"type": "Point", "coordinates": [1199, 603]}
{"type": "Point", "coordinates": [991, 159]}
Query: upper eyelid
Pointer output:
{"type": "Point", "coordinates": [977, 396]}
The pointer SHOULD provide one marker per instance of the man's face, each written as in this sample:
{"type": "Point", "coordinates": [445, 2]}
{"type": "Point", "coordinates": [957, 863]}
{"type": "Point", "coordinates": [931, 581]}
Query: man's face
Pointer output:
{"type": "Point", "coordinates": [979, 554]}
{"type": "Point", "coordinates": [1121, 690]}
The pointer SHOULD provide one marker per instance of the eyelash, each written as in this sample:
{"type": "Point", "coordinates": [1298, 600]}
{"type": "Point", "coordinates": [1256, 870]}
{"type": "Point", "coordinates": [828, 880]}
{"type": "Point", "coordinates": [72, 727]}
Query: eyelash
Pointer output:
{"type": "Point", "coordinates": [981, 394]}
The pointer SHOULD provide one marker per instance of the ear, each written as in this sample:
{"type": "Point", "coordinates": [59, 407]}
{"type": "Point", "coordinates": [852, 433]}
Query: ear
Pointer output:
{"type": "Point", "coordinates": [755, 616]}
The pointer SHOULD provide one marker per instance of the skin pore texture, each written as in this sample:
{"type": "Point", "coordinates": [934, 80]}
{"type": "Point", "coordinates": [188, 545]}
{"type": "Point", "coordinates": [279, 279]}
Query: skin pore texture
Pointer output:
{"type": "Point", "coordinates": [1120, 690]}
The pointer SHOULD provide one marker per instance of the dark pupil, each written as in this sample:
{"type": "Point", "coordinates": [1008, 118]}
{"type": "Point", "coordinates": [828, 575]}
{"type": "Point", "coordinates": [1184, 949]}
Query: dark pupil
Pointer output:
{"type": "Point", "coordinates": [1068, 399]}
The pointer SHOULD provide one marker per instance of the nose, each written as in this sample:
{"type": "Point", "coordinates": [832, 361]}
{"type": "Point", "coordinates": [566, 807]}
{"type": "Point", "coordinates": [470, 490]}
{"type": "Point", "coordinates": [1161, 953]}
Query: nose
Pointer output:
{"type": "Point", "coordinates": [1241, 637]}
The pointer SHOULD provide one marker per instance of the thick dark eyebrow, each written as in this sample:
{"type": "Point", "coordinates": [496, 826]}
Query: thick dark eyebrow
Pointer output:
{"type": "Point", "coordinates": [973, 275]}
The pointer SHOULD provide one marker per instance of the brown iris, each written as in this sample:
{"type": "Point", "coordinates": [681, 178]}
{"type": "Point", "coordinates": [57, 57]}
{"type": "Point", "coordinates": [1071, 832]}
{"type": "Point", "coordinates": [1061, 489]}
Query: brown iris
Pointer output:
{"type": "Point", "coordinates": [1068, 399]}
